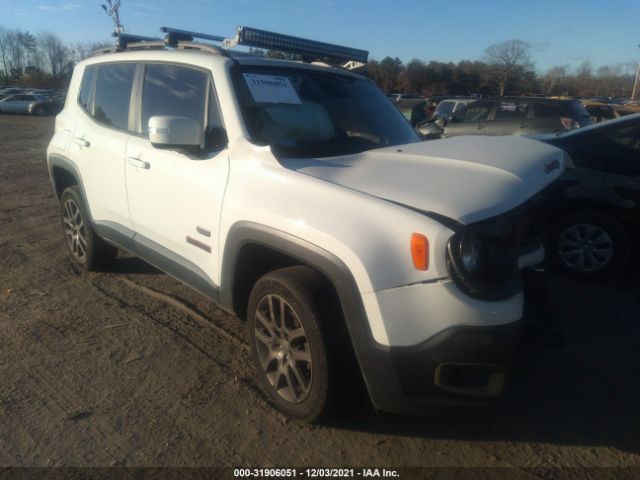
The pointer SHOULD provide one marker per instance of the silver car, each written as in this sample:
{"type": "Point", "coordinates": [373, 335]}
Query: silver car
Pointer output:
{"type": "Point", "coordinates": [22, 103]}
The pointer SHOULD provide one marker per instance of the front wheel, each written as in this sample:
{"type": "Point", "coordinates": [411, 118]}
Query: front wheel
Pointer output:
{"type": "Point", "coordinates": [288, 344]}
{"type": "Point", "coordinates": [590, 244]}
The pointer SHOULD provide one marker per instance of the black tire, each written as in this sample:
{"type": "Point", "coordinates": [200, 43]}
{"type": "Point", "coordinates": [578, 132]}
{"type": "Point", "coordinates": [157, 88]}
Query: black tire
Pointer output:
{"type": "Point", "coordinates": [86, 249]}
{"type": "Point", "coordinates": [296, 291]}
{"type": "Point", "coordinates": [589, 244]}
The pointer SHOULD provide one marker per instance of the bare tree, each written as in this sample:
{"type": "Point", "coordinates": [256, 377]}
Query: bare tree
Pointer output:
{"type": "Point", "coordinates": [552, 79]}
{"type": "Point", "coordinates": [4, 51]}
{"type": "Point", "coordinates": [55, 52]}
{"type": "Point", "coordinates": [509, 60]}
{"type": "Point", "coordinates": [28, 42]}
{"type": "Point", "coordinates": [15, 53]}
{"type": "Point", "coordinates": [82, 50]}
{"type": "Point", "coordinates": [112, 8]}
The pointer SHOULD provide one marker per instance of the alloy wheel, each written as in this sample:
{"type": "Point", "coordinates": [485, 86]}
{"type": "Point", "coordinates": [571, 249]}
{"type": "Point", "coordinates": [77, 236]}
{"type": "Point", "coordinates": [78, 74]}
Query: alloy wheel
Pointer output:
{"type": "Point", "coordinates": [585, 247]}
{"type": "Point", "coordinates": [74, 230]}
{"type": "Point", "coordinates": [283, 349]}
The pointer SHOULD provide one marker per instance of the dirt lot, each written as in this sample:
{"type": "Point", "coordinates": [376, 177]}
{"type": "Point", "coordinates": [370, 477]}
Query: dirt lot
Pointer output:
{"type": "Point", "coordinates": [130, 368]}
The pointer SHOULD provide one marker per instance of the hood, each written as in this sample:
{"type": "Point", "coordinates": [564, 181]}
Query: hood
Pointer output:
{"type": "Point", "coordinates": [467, 179]}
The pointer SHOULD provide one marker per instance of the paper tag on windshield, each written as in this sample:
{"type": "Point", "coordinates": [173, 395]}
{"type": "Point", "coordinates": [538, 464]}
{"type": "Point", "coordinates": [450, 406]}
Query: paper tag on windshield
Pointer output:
{"type": "Point", "coordinates": [271, 89]}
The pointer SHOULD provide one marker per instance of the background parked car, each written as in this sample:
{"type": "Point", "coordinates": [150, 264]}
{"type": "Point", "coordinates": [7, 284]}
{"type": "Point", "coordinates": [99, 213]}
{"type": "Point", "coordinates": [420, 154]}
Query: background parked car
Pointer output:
{"type": "Point", "coordinates": [415, 111]}
{"type": "Point", "coordinates": [51, 106]}
{"type": "Point", "coordinates": [26, 104]}
{"type": "Point", "coordinates": [594, 209]}
{"type": "Point", "coordinates": [451, 107]}
{"type": "Point", "coordinates": [11, 91]}
{"type": "Point", "coordinates": [513, 116]}
{"type": "Point", "coordinates": [600, 111]}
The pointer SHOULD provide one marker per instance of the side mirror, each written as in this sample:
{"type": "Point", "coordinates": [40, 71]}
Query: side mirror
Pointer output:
{"type": "Point", "coordinates": [168, 131]}
{"type": "Point", "coordinates": [429, 130]}
{"type": "Point", "coordinates": [215, 137]}
{"type": "Point", "coordinates": [441, 122]}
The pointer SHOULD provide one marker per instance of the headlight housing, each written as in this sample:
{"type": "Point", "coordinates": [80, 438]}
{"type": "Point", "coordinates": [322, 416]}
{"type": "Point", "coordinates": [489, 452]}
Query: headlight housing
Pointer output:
{"type": "Point", "coordinates": [484, 266]}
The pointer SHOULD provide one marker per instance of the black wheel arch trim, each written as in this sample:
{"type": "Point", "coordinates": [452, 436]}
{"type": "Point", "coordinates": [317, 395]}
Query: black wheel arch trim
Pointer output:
{"type": "Point", "coordinates": [374, 360]}
{"type": "Point", "coordinates": [60, 161]}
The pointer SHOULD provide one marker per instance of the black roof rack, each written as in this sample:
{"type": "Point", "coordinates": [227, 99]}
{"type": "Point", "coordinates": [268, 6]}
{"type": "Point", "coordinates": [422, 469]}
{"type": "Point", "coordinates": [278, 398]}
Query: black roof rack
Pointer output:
{"type": "Point", "coordinates": [174, 35]}
{"type": "Point", "coordinates": [124, 39]}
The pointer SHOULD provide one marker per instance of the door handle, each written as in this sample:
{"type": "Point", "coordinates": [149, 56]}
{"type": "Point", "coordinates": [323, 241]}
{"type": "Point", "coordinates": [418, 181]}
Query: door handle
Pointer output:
{"type": "Point", "coordinates": [481, 126]}
{"type": "Point", "coordinates": [136, 162]}
{"type": "Point", "coordinates": [82, 142]}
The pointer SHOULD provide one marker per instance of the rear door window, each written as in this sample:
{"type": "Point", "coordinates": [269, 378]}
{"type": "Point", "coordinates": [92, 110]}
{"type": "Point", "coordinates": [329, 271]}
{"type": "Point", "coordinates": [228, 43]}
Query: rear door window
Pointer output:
{"type": "Point", "coordinates": [547, 110]}
{"type": "Point", "coordinates": [512, 110]}
{"type": "Point", "coordinates": [113, 94]}
{"type": "Point", "coordinates": [478, 111]}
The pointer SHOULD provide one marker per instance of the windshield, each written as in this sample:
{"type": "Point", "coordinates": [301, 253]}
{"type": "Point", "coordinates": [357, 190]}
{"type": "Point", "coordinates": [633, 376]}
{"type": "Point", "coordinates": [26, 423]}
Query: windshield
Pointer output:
{"type": "Point", "coordinates": [306, 113]}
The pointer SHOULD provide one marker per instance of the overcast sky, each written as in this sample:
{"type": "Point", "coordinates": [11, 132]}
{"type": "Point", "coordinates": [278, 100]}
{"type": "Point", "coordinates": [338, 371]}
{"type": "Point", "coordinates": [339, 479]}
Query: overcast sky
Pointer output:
{"type": "Point", "coordinates": [561, 32]}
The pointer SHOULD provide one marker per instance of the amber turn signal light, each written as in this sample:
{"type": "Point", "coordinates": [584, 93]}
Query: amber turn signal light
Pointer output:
{"type": "Point", "coordinates": [420, 251]}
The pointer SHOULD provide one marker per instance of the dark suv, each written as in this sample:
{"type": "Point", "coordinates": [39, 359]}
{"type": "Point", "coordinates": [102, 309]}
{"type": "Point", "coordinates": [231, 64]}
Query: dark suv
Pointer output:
{"type": "Point", "coordinates": [511, 116]}
{"type": "Point", "coordinates": [594, 208]}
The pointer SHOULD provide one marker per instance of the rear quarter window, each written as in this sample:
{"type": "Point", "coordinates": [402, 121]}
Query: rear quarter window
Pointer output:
{"type": "Point", "coordinates": [85, 89]}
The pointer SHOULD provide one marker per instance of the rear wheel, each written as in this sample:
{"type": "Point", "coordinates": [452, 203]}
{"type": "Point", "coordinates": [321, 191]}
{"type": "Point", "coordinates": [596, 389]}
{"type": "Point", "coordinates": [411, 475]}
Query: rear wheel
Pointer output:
{"type": "Point", "coordinates": [87, 249]}
{"type": "Point", "coordinates": [289, 344]}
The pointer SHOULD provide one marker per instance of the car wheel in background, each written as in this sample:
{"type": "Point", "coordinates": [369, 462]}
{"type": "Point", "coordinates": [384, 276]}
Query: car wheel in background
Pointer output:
{"type": "Point", "coordinates": [589, 244]}
{"type": "Point", "coordinates": [87, 249]}
{"type": "Point", "coordinates": [39, 111]}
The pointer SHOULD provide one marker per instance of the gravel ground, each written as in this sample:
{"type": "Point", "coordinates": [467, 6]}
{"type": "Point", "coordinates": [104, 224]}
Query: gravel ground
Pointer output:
{"type": "Point", "coordinates": [129, 368]}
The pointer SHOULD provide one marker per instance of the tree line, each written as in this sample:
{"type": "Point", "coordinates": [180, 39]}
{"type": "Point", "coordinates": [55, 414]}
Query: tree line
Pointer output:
{"type": "Point", "coordinates": [46, 61]}
{"type": "Point", "coordinates": [505, 69]}
{"type": "Point", "coordinates": [40, 61]}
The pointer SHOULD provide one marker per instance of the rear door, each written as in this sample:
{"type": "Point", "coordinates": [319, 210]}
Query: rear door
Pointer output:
{"type": "Point", "coordinates": [99, 140]}
{"type": "Point", "coordinates": [623, 165]}
{"type": "Point", "coordinates": [175, 195]}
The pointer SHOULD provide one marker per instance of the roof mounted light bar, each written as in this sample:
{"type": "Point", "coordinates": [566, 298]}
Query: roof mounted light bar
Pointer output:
{"type": "Point", "coordinates": [308, 49]}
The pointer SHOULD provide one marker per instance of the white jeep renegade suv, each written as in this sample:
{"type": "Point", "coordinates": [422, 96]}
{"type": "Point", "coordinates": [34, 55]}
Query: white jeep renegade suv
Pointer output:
{"type": "Point", "coordinates": [296, 196]}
